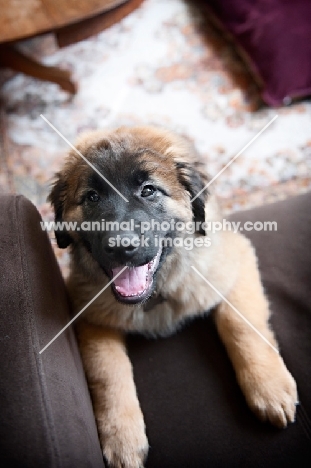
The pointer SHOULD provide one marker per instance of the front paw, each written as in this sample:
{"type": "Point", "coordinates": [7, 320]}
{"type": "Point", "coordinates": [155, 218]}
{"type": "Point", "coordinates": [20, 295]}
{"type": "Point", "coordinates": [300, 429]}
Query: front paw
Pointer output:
{"type": "Point", "coordinates": [270, 391]}
{"type": "Point", "coordinates": [123, 439]}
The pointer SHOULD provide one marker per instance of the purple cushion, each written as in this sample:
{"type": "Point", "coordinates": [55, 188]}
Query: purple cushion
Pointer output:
{"type": "Point", "coordinates": [275, 36]}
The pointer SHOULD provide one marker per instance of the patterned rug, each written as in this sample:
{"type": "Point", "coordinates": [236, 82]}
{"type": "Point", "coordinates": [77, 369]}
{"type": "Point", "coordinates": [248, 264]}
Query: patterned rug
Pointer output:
{"type": "Point", "coordinates": [166, 65]}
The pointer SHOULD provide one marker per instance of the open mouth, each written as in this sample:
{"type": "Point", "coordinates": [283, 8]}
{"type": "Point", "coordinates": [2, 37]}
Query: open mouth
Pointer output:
{"type": "Point", "coordinates": [135, 284]}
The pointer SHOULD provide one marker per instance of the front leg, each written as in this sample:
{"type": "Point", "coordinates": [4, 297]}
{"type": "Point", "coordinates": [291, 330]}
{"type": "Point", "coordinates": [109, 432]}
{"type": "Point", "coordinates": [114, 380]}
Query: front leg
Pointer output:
{"type": "Point", "coordinates": [119, 418]}
{"type": "Point", "coordinates": [269, 388]}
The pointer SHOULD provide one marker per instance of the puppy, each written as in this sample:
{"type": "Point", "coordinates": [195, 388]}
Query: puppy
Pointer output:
{"type": "Point", "coordinates": [138, 175]}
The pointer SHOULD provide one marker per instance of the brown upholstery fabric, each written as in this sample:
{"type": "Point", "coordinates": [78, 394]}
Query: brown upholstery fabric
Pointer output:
{"type": "Point", "coordinates": [195, 413]}
{"type": "Point", "coordinates": [46, 415]}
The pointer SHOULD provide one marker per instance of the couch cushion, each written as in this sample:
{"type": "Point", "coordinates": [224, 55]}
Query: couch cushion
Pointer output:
{"type": "Point", "coordinates": [275, 39]}
{"type": "Point", "coordinates": [46, 413]}
{"type": "Point", "coordinates": [195, 413]}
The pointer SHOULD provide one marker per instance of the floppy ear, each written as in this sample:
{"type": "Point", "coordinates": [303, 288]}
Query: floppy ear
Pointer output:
{"type": "Point", "coordinates": [194, 180]}
{"type": "Point", "coordinates": [57, 198]}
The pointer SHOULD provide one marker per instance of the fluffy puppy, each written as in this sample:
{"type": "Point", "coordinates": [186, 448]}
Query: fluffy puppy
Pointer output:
{"type": "Point", "coordinates": [145, 281]}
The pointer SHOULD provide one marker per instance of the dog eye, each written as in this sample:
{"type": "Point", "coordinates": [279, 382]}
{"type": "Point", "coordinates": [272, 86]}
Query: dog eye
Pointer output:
{"type": "Point", "coordinates": [148, 191]}
{"type": "Point", "coordinates": [92, 196]}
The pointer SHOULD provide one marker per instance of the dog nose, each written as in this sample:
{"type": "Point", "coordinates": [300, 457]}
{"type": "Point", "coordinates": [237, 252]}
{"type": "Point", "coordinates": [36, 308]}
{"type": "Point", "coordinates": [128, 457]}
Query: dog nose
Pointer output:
{"type": "Point", "coordinates": [122, 245]}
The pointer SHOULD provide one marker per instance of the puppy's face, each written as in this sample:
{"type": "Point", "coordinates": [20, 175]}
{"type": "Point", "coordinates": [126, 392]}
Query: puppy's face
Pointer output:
{"type": "Point", "coordinates": [157, 175]}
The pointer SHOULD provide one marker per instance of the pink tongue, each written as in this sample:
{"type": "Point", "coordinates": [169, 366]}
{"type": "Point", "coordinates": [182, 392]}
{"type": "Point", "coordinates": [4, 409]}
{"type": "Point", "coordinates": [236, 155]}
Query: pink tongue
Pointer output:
{"type": "Point", "coordinates": [132, 281]}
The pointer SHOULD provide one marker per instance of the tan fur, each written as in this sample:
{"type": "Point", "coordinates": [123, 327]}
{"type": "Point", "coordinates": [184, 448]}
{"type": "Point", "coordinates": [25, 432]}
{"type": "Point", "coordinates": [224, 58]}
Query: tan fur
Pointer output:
{"type": "Point", "coordinates": [229, 264]}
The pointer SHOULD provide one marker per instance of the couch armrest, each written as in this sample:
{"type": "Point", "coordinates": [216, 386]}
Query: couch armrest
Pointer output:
{"type": "Point", "coordinates": [46, 412]}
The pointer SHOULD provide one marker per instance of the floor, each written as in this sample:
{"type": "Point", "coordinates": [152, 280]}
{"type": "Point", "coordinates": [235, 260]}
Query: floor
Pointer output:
{"type": "Point", "coordinates": [162, 65]}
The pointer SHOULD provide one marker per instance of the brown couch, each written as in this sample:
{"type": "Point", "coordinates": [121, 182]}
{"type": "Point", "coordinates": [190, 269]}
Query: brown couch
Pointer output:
{"type": "Point", "coordinates": [195, 413]}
